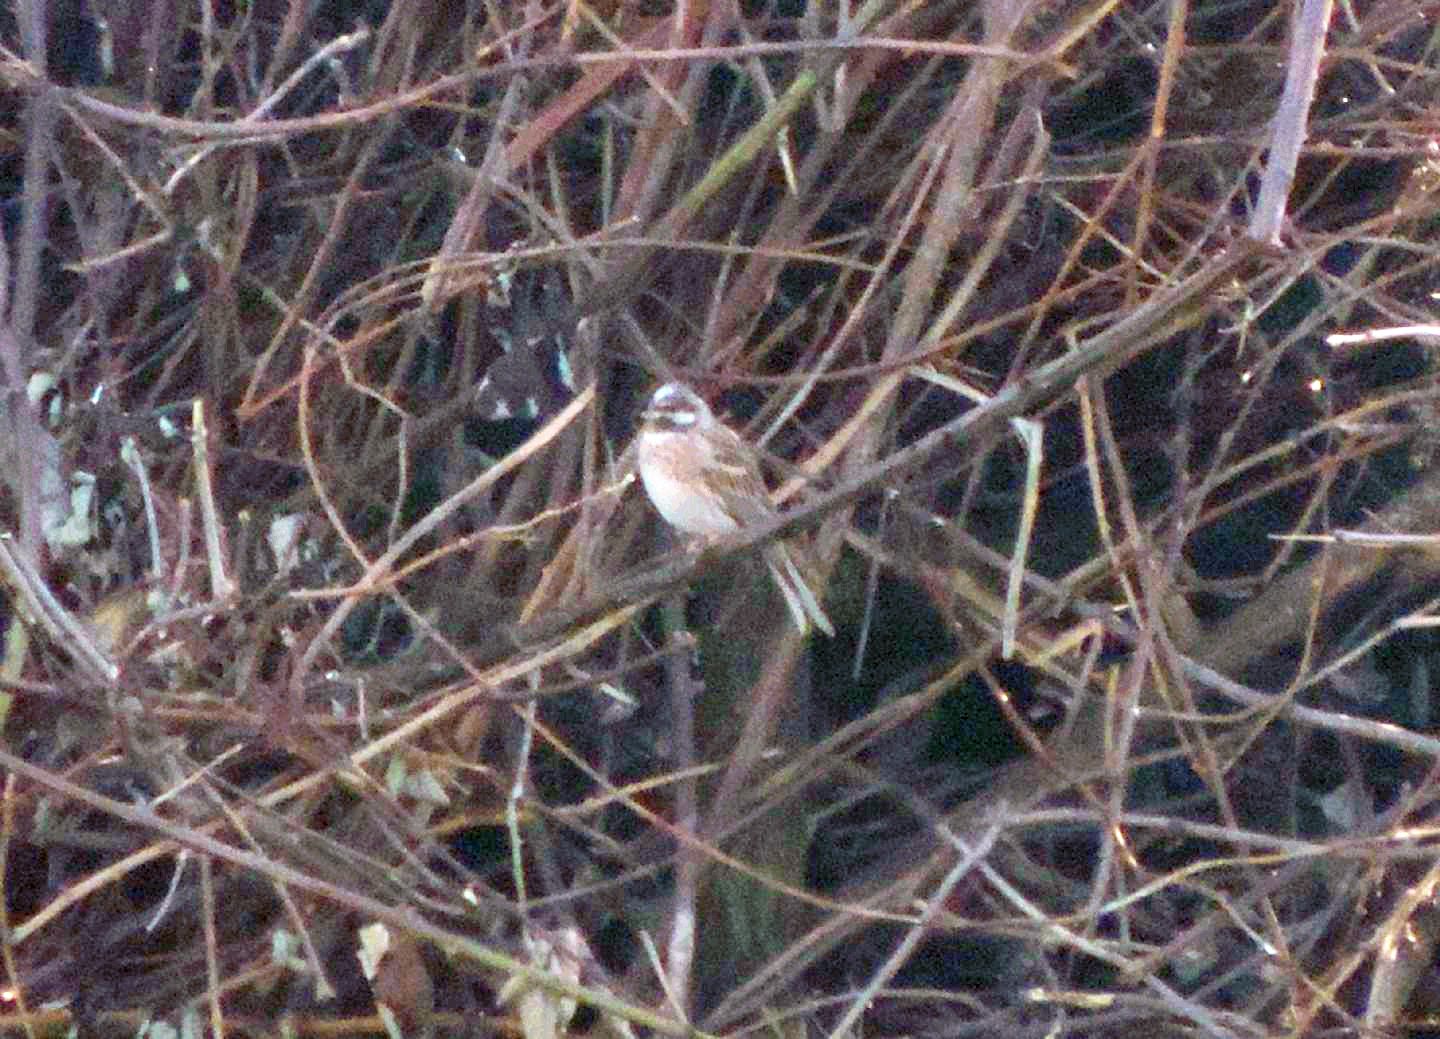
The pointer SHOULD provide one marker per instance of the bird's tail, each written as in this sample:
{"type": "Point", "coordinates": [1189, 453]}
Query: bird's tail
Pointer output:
{"type": "Point", "coordinates": [799, 596]}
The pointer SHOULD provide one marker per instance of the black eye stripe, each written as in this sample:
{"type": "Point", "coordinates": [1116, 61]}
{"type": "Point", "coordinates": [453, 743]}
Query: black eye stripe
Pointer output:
{"type": "Point", "coordinates": [671, 421]}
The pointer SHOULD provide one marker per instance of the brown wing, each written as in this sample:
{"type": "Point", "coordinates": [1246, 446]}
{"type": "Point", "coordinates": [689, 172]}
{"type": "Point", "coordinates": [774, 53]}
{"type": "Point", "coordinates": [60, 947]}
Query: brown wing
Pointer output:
{"type": "Point", "coordinates": [736, 472]}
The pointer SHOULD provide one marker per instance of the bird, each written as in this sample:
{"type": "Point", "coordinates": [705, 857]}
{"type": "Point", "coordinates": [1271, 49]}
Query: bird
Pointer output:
{"type": "Point", "coordinates": [704, 480]}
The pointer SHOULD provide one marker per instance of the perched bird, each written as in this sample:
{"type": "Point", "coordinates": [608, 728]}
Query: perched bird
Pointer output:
{"type": "Point", "coordinates": [705, 480]}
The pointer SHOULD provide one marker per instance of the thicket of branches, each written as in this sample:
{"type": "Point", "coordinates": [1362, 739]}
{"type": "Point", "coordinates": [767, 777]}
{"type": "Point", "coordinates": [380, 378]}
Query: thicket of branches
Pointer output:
{"type": "Point", "coordinates": [351, 684]}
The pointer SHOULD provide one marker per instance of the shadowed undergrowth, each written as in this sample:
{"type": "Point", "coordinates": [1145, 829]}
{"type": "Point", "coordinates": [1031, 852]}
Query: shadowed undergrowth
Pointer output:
{"type": "Point", "coordinates": [352, 684]}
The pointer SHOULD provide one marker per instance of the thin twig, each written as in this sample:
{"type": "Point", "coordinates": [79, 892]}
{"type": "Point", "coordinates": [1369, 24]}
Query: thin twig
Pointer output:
{"type": "Point", "coordinates": [64, 628]}
{"type": "Point", "coordinates": [221, 587]}
{"type": "Point", "coordinates": [1307, 48]}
